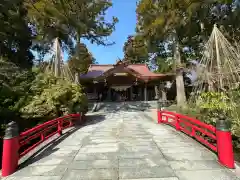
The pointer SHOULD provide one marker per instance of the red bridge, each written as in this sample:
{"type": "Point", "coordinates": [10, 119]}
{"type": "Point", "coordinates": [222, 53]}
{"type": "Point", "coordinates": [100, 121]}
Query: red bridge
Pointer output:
{"type": "Point", "coordinates": [120, 143]}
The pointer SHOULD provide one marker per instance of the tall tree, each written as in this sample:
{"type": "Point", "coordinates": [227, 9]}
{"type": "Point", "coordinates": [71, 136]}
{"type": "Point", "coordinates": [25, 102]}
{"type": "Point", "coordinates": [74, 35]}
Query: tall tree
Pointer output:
{"type": "Point", "coordinates": [182, 25]}
{"type": "Point", "coordinates": [81, 60]}
{"type": "Point", "coordinates": [204, 15]}
{"type": "Point", "coordinates": [135, 50]}
{"type": "Point", "coordinates": [71, 20]}
{"type": "Point", "coordinates": [162, 20]}
{"type": "Point", "coordinates": [15, 34]}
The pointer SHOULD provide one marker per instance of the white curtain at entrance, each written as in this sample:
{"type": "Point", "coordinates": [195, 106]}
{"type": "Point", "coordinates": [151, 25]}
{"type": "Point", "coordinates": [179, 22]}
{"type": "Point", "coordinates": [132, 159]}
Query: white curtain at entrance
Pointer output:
{"type": "Point", "coordinates": [120, 88]}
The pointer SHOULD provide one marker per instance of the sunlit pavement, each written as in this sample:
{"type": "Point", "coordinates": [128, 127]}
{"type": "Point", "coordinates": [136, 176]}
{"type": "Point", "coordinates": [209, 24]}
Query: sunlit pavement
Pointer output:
{"type": "Point", "coordinates": [125, 145]}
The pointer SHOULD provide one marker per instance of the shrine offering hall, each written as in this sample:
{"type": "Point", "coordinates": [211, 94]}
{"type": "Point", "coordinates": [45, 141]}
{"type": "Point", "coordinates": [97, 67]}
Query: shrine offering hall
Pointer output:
{"type": "Point", "coordinates": [123, 82]}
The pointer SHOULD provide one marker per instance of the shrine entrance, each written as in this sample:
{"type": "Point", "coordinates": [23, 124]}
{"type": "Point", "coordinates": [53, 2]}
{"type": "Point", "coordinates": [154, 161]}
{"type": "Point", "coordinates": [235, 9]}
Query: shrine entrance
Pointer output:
{"type": "Point", "coordinates": [120, 93]}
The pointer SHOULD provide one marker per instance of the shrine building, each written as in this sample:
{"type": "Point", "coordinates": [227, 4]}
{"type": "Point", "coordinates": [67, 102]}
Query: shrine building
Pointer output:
{"type": "Point", "coordinates": [123, 81]}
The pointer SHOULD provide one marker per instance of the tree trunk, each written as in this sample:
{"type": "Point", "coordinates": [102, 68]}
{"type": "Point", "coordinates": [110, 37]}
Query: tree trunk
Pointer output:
{"type": "Point", "coordinates": [76, 78]}
{"type": "Point", "coordinates": [57, 62]}
{"type": "Point", "coordinates": [77, 74]}
{"type": "Point", "coordinates": [162, 92]}
{"type": "Point", "coordinates": [204, 39]}
{"type": "Point", "coordinates": [181, 95]}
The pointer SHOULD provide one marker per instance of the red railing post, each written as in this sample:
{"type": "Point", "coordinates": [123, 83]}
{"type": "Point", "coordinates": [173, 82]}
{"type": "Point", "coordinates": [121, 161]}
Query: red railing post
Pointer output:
{"type": "Point", "coordinates": [42, 137]}
{"type": "Point", "coordinates": [10, 153]}
{"type": "Point", "coordinates": [159, 113]}
{"type": "Point", "coordinates": [193, 132]}
{"type": "Point", "coordinates": [59, 126]}
{"type": "Point", "coordinates": [159, 116]}
{"type": "Point", "coordinates": [224, 143]}
{"type": "Point", "coordinates": [177, 123]}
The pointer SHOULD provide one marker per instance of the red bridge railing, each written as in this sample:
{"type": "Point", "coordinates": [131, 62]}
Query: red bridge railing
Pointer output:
{"type": "Point", "coordinates": [44, 131]}
{"type": "Point", "coordinates": [15, 146]}
{"type": "Point", "coordinates": [192, 127]}
{"type": "Point", "coordinates": [217, 139]}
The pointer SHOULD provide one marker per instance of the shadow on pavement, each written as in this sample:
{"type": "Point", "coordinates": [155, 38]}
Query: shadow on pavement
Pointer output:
{"type": "Point", "coordinates": [50, 147]}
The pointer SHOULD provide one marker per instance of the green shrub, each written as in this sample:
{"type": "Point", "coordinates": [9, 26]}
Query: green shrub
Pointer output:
{"type": "Point", "coordinates": [31, 97]}
{"type": "Point", "coordinates": [210, 106]}
{"type": "Point", "coordinates": [53, 97]}
{"type": "Point", "coordinates": [14, 88]}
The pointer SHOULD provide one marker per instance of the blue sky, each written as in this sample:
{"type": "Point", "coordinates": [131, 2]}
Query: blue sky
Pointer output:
{"type": "Point", "coordinates": [124, 10]}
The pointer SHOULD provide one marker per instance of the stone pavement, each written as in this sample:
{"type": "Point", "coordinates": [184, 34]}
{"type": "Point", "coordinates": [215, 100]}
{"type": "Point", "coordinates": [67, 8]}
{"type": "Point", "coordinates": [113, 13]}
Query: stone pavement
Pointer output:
{"type": "Point", "coordinates": [124, 145]}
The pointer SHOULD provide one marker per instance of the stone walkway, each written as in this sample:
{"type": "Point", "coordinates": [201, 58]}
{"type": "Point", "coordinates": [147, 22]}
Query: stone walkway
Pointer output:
{"type": "Point", "coordinates": [124, 145]}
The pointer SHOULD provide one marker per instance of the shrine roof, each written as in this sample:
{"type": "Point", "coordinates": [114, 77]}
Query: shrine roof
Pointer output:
{"type": "Point", "coordinates": [96, 70]}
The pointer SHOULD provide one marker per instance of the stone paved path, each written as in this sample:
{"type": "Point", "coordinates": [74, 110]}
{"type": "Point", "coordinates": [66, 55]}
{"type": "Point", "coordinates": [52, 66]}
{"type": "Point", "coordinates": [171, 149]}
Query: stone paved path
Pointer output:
{"type": "Point", "coordinates": [125, 145]}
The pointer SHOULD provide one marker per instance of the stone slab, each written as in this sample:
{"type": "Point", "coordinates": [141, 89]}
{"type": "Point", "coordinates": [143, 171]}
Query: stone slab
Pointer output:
{"type": "Point", "coordinates": [163, 137]}
{"type": "Point", "coordinates": [168, 178]}
{"type": "Point", "coordinates": [52, 160]}
{"type": "Point", "coordinates": [101, 145]}
{"type": "Point", "coordinates": [95, 164]}
{"type": "Point", "coordinates": [189, 156]}
{"type": "Point", "coordinates": [70, 142]}
{"type": "Point", "coordinates": [172, 138]}
{"type": "Point", "coordinates": [35, 178]}
{"type": "Point", "coordinates": [139, 149]}
{"type": "Point", "coordinates": [106, 140]}
{"type": "Point", "coordinates": [134, 155]}
{"type": "Point", "coordinates": [206, 175]}
{"type": "Point", "coordinates": [185, 149]}
{"type": "Point", "coordinates": [135, 140]}
{"type": "Point", "coordinates": [41, 171]}
{"type": "Point", "coordinates": [137, 136]}
{"type": "Point", "coordinates": [174, 144]}
{"type": "Point", "coordinates": [95, 156]}
{"type": "Point", "coordinates": [152, 172]}
{"type": "Point", "coordinates": [63, 152]}
{"type": "Point", "coordinates": [93, 174]}
{"type": "Point", "coordinates": [195, 165]}
{"type": "Point", "coordinates": [99, 150]}
{"type": "Point", "coordinates": [65, 147]}
{"type": "Point", "coordinates": [144, 162]}
{"type": "Point", "coordinates": [138, 143]}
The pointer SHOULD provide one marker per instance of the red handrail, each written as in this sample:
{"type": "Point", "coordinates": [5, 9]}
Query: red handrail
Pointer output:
{"type": "Point", "coordinates": [191, 126]}
{"type": "Point", "coordinates": [44, 131]}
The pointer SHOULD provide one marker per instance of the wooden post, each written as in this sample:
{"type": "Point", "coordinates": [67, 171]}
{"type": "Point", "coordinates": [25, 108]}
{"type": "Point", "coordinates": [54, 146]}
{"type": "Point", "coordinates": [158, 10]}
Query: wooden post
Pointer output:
{"type": "Point", "coordinates": [156, 92]}
{"type": "Point", "coordinates": [145, 92]}
{"type": "Point", "coordinates": [163, 93]}
{"type": "Point", "coordinates": [140, 93]}
{"type": "Point", "coordinates": [131, 94]}
{"type": "Point", "coordinates": [109, 94]}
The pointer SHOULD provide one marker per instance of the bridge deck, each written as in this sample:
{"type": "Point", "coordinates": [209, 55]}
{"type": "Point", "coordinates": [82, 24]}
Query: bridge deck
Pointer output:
{"type": "Point", "coordinates": [124, 145]}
